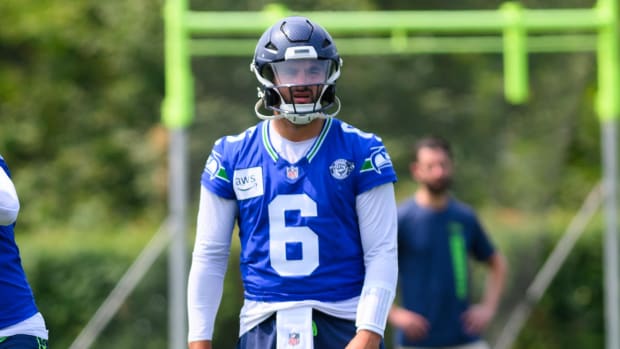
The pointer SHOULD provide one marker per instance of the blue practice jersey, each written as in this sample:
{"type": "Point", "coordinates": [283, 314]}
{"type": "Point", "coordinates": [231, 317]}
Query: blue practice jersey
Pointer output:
{"type": "Point", "coordinates": [16, 299]}
{"type": "Point", "coordinates": [433, 248]}
{"type": "Point", "coordinates": [297, 221]}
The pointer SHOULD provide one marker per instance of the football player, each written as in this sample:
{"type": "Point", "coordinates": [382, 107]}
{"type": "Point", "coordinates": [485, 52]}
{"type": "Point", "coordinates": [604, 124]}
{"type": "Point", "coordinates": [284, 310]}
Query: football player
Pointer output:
{"type": "Point", "coordinates": [313, 199]}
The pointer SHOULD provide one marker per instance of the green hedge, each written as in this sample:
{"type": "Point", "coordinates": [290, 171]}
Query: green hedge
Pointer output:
{"type": "Point", "coordinates": [71, 282]}
{"type": "Point", "coordinates": [571, 313]}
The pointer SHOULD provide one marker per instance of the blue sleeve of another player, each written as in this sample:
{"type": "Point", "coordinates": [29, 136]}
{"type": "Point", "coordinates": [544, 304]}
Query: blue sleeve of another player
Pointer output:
{"type": "Point", "coordinates": [375, 166]}
{"type": "Point", "coordinates": [216, 175]}
{"type": "Point", "coordinates": [4, 166]}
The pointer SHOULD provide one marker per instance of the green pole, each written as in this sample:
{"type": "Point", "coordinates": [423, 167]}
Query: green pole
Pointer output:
{"type": "Point", "coordinates": [393, 32]}
{"type": "Point", "coordinates": [363, 23]}
{"type": "Point", "coordinates": [177, 115]}
{"type": "Point", "coordinates": [400, 44]}
{"type": "Point", "coordinates": [177, 109]}
{"type": "Point", "coordinates": [515, 54]}
{"type": "Point", "coordinates": [607, 107]}
{"type": "Point", "coordinates": [609, 83]}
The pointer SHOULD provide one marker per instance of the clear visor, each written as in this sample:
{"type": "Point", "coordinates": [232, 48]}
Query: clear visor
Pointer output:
{"type": "Point", "coordinates": [301, 71]}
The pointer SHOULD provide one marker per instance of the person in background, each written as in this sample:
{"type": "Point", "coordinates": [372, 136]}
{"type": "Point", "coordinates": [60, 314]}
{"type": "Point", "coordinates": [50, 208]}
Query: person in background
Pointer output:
{"type": "Point", "coordinates": [313, 198]}
{"type": "Point", "coordinates": [21, 324]}
{"type": "Point", "coordinates": [436, 235]}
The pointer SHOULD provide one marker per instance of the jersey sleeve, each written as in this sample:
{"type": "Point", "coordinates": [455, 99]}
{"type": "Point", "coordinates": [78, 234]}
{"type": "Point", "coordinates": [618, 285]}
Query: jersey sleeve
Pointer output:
{"type": "Point", "coordinates": [372, 160]}
{"type": "Point", "coordinates": [217, 171]}
{"type": "Point", "coordinates": [482, 247]}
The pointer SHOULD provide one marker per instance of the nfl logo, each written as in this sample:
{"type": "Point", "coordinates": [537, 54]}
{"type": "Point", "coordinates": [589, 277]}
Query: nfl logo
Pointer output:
{"type": "Point", "coordinates": [293, 338]}
{"type": "Point", "coordinates": [292, 172]}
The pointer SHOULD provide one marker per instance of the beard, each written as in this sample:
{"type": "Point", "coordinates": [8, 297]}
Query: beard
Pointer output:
{"type": "Point", "coordinates": [439, 187]}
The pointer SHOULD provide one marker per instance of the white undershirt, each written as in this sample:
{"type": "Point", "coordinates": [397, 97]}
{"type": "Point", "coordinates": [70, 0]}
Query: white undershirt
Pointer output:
{"type": "Point", "coordinates": [289, 150]}
{"type": "Point", "coordinates": [32, 326]}
{"type": "Point", "coordinates": [376, 210]}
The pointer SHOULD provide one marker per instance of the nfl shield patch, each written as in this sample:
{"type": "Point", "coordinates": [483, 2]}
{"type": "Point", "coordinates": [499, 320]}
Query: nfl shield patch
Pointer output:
{"type": "Point", "coordinates": [293, 338]}
{"type": "Point", "coordinates": [292, 172]}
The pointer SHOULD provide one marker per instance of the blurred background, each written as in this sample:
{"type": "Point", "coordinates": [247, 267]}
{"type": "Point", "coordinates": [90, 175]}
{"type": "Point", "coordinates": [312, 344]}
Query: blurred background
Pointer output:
{"type": "Point", "coordinates": [81, 87]}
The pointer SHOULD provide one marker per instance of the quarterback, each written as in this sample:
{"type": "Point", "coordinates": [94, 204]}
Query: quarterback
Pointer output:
{"type": "Point", "coordinates": [313, 199]}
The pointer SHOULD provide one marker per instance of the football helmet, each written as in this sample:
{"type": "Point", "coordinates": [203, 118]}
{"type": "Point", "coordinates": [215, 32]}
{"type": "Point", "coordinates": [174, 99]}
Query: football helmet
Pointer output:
{"type": "Point", "coordinates": [297, 65]}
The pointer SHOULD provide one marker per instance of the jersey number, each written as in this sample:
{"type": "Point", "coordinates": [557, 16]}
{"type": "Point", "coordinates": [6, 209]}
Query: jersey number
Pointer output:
{"type": "Point", "coordinates": [281, 235]}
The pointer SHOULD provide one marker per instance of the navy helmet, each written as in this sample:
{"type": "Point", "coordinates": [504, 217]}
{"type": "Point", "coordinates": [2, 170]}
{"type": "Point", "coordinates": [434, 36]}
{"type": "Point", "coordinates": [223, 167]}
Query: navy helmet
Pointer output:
{"type": "Point", "coordinates": [290, 45]}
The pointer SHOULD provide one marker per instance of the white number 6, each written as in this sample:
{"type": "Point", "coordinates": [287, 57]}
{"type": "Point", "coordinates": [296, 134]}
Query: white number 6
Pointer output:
{"type": "Point", "coordinates": [280, 235]}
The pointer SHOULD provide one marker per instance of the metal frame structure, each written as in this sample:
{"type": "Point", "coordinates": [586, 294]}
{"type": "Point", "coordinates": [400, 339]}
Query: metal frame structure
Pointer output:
{"type": "Point", "coordinates": [512, 30]}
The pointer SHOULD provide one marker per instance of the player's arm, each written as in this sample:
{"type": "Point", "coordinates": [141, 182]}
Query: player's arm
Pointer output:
{"type": "Point", "coordinates": [200, 345]}
{"type": "Point", "coordinates": [216, 219]}
{"type": "Point", "coordinates": [376, 210]}
{"type": "Point", "coordinates": [365, 339]}
{"type": "Point", "coordinates": [9, 202]}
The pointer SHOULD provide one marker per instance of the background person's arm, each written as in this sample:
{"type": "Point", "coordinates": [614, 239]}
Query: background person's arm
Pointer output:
{"type": "Point", "coordinates": [479, 315]}
{"type": "Point", "coordinates": [414, 325]}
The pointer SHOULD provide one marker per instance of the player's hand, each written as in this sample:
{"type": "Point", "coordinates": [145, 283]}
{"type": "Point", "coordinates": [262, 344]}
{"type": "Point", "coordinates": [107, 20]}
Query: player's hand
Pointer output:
{"type": "Point", "coordinates": [365, 339]}
{"type": "Point", "coordinates": [477, 318]}
{"type": "Point", "coordinates": [414, 325]}
{"type": "Point", "coordinates": [200, 345]}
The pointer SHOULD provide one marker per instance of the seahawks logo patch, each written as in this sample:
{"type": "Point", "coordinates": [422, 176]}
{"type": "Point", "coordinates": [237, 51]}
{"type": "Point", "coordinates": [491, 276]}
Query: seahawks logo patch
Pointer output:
{"type": "Point", "coordinates": [214, 167]}
{"type": "Point", "coordinates": [378, 160]}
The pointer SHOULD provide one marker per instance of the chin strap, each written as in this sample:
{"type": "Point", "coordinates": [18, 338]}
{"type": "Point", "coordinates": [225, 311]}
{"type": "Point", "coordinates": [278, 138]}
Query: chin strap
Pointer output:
{"type": "Point", "coordinates": [298, 119]}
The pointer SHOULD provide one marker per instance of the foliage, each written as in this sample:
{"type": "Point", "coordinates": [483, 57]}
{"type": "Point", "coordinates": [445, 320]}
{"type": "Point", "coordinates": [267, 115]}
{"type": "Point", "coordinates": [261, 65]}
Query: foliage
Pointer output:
{"type": "Point", "coordinates": [69, 290]}
{"type": "Point", "coordinates": [83, 82]}
{"type": "Point", "coordinates": [80, 94]}
{"type": "Point", "coordinates": [71, 282]}
{"type": "Point", "coordinates": [572, 312]}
